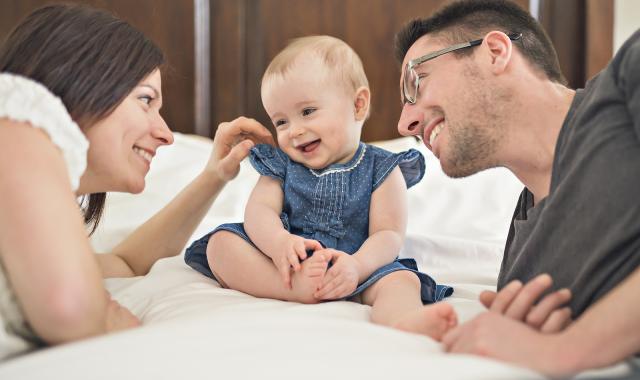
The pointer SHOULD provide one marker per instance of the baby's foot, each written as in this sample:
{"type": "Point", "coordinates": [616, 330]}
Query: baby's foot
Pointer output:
{"type": "Point", "coordinates": [306, 281]}
{"type": "Point", "coordinates": [432, 320]}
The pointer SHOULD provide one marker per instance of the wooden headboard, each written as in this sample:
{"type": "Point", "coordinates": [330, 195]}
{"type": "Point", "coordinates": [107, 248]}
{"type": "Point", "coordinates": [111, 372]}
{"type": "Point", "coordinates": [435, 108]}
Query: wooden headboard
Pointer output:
{"type": "Point", "coordinates": [218, 49]}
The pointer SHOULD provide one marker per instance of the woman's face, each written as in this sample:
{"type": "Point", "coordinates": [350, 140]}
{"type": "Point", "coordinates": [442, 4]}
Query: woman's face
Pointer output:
{"type": "Point", "coordinates": [122, 145]}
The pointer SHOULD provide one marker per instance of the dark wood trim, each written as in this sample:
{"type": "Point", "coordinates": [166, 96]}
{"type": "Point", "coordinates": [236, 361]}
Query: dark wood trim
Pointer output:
{"type": "Point", "coordinates": [582, 33]}
{"type": "Point", "coordinates": [599, 35]}
{"type": "Point", "coordinates": [228, 60]}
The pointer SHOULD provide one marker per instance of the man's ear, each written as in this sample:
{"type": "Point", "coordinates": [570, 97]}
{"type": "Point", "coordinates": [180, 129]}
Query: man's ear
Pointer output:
{"type": "Point", "coordinates": [500, 48]}
{"type": "Point", "coordinates": [362, 101]}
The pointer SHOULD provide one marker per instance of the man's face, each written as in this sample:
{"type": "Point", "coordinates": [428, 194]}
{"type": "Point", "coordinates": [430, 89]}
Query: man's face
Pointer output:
{"type": "Point", "coordinates": [456, 111]}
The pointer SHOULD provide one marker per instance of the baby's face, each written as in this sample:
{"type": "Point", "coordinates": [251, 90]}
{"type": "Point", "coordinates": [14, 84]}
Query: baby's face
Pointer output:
{"type": "Point", "coordinates": [313, 114]}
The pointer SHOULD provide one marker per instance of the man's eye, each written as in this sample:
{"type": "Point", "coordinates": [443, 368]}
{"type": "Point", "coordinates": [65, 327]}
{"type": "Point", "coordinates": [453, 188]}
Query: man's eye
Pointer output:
{"type": "Point", "coordinates": [308, 111]}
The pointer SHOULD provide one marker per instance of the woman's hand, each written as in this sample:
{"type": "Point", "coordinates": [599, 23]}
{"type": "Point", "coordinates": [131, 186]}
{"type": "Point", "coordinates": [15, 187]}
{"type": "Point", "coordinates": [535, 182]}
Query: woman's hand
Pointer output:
{"type": "Point", "coordinates": [232, 143]}
{"type": "Point", "coordinates": [342, 278]}
{"type": "Point", "coordinates": [119, 317]}
{"type": "Point", "coordinates": [524, 303]}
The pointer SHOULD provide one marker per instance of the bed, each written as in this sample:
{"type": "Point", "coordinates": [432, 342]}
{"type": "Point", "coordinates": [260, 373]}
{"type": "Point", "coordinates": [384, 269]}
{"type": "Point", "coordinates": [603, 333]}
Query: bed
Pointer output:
{"type": "Point", "coordinates": [192, 328]}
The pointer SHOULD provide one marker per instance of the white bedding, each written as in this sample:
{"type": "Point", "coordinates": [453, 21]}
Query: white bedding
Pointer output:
{"type": "Point", "coordinates": [194, 329]}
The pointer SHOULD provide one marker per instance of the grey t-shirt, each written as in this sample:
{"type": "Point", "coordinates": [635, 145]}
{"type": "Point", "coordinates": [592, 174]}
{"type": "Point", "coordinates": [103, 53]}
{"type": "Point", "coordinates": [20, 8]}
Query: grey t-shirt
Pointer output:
{"type": "Point", "coordinates": [586, 232]}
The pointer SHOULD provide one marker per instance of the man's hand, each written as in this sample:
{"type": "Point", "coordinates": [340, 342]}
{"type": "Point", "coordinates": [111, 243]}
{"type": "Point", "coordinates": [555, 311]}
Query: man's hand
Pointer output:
{"type": "Point", "coordinates": [499, 337]}
{"type": "Point", "coordinates": [292, 250]}
{"type": "Point", "coordinates": [342, 278]}
{"type": "Point", "coordinates": [521, 303]}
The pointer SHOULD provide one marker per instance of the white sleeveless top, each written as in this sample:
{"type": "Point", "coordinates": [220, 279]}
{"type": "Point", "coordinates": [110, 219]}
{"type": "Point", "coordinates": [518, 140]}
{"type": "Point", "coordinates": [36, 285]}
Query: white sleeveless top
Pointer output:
{"type": "Point", "coordinates": [25, 100]}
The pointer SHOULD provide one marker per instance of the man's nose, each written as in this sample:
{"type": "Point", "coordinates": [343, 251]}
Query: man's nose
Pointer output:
{"type": "Point", "coordinates": [410, 120]}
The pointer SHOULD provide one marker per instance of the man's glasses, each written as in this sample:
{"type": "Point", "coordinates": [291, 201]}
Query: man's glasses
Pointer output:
{"type": "Point", "coordinates": [411, 80]}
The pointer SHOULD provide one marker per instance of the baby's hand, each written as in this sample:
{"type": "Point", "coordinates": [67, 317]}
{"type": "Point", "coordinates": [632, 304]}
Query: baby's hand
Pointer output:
{"type": "Point", "coordinates": [341, 279]}
{"type": "Point", "coordinates": [293, 249]}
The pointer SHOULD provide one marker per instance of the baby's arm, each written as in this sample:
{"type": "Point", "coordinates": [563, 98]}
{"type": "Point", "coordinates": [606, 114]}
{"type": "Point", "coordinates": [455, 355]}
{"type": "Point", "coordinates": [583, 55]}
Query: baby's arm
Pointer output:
{"type": "Point", "coordinates": [263, 225]}
{"type": "Point", "coordinates": [387, 224]}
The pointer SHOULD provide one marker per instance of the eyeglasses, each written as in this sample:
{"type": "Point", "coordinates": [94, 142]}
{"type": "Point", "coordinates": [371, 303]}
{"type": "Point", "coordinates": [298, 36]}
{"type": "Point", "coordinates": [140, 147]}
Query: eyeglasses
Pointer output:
{"type": "Point", "coordinates": [411, 80]}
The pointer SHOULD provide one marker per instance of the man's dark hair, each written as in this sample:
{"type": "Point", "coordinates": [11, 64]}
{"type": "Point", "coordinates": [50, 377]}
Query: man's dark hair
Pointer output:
{"type": "Point", "coordinates": [87, 57]}
{"type": "Point", "coordinates": [468, 20]}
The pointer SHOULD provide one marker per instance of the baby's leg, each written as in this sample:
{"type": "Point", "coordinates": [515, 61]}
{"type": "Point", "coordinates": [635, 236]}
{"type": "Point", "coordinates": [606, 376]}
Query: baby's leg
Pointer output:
{"type": "Point", "coordinates": [240, 266]}
{"type": "Point", "coordinates": [396, 302]}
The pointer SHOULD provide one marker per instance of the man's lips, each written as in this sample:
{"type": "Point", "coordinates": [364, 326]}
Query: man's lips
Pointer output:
{"type": "Point", "coordinates": [426, 132]}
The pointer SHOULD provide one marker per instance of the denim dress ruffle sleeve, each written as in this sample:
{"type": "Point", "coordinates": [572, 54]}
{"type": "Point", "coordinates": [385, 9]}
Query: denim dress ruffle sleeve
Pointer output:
{"type": "Point", "coordinates": [331, 206]}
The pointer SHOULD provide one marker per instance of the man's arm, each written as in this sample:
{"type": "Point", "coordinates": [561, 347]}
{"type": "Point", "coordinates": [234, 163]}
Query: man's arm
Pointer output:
{"type": "Point", "coordinates": [577, 348]}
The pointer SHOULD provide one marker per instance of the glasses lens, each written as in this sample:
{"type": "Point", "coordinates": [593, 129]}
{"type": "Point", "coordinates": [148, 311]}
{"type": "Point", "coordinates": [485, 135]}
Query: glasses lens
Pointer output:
{"type": "Point", "coordinates": [410, 85]}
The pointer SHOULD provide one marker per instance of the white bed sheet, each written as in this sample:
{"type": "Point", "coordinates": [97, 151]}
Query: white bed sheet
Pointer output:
{"type": "Point", "coordinates": [195, 329]}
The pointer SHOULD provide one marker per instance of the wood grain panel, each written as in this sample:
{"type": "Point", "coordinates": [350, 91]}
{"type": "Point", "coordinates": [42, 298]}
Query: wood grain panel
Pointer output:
{"type": "Point", "coordinates": [599, 36]}
{"type": "Point", "coordinates": [168, 22]}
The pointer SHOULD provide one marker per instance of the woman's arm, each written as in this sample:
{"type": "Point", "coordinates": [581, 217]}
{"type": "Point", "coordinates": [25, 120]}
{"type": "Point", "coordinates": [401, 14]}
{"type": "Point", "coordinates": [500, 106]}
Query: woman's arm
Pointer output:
{"type": "Point", "coordinates": [387, 225]}
{"type": "Point", "coordinates": [43, 241]}
{"type": "Point", "coordinates": [167, 232]}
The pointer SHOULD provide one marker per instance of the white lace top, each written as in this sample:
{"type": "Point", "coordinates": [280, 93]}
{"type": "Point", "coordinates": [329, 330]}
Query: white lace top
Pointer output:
{"type": "Point", "coordinates": [24, 100]}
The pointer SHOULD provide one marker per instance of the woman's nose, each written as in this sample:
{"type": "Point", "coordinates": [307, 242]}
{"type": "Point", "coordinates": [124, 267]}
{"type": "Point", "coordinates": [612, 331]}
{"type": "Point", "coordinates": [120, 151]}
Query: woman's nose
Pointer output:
{"type": "Point", "coordinates": [162, 132]}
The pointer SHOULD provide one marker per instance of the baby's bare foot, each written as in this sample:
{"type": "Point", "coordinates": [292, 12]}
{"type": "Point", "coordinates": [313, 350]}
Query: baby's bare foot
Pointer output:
{"type": "Point", "coordinates": [306, 281]}
{"type": "Point", "coordinates": [432, 320]}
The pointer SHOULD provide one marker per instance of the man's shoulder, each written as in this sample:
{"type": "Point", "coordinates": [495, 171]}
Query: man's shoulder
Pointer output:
{"type": "Point", "coordinates": [628, 56]}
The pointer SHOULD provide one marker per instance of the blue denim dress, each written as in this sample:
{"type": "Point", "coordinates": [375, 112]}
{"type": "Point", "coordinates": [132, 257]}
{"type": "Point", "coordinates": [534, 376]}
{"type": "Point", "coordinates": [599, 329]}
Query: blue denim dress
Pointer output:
{"type": "Point", "coordinates": [331, 206]}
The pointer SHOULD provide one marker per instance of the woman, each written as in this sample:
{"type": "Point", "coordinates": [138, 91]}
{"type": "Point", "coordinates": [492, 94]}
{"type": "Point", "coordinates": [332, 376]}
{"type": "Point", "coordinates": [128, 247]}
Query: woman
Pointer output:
{"type": "Point", "coordinates": [80, 96]}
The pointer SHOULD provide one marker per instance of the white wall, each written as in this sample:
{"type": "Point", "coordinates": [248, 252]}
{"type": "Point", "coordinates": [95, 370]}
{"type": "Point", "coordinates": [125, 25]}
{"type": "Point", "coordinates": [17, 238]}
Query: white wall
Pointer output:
{"type": "Point", "coordinates": [626, 20]}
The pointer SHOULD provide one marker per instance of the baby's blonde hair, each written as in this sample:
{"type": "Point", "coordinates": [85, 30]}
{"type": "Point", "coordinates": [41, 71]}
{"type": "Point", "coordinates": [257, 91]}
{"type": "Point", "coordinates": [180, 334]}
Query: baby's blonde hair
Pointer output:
{"type": "Point", "coordinates": [339, 58]}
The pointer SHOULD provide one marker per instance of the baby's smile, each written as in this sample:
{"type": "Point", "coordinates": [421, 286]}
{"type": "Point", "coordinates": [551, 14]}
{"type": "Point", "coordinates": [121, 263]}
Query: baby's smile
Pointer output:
{"type": "Point", "coordinates": [309, 147]}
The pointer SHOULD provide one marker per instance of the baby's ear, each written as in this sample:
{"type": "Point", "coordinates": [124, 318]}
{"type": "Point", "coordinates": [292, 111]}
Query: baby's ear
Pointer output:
{"type": "Point", "coordinates": [362, 102]}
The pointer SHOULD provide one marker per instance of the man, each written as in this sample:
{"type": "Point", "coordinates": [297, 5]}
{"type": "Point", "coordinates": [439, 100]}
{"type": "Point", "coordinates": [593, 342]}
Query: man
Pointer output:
{"type": "Point", "coordinates": [481, 85]}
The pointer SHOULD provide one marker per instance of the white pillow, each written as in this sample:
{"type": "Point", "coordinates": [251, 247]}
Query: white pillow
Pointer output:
{"type": "Point", "coordinates": [477, 208]}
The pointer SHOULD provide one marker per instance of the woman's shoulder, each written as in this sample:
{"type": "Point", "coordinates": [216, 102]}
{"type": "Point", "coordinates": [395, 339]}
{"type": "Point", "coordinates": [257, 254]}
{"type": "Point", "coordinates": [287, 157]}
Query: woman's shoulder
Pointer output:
{"type": "Point", "coordinates": [23, 100]}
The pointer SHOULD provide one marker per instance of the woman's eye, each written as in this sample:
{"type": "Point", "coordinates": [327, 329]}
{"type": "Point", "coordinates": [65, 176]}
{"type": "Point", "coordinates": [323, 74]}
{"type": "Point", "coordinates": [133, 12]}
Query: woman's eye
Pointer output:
{"type": "Point", "coordinates": [308, 111]}
{"type": "Point", "coordinates": [146, 99]}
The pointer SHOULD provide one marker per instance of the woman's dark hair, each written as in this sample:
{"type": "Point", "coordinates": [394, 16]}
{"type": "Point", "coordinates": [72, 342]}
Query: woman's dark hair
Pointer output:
{"type": "Point", "coordinates": [87, 57]}
{"type": "Point", "coordinates": [467, 20]}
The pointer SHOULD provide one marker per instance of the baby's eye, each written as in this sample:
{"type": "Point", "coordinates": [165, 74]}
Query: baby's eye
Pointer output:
{"type": "Point", "coordinates": [279, 123]}
{"type": "Point", "coordinates": [308, 111]}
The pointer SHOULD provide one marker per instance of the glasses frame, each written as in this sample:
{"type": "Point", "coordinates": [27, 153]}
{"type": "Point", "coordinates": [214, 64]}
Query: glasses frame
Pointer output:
{"type": "Point", "coordinates": [411, 99]}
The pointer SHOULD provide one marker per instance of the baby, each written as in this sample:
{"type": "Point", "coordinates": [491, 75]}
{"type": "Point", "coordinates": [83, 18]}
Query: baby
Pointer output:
{"type": "Point", "coordinates": [327, 218]}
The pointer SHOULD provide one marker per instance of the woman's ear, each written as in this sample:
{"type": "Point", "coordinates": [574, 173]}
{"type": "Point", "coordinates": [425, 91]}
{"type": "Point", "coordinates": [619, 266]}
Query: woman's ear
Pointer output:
{"type": "Point", "coordinates": [362, 102]}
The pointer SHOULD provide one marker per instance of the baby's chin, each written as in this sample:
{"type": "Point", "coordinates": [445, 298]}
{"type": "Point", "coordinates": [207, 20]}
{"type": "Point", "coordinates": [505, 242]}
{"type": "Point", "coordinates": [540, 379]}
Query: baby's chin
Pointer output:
{"type": "Point", "coordinates": [310, 163]}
